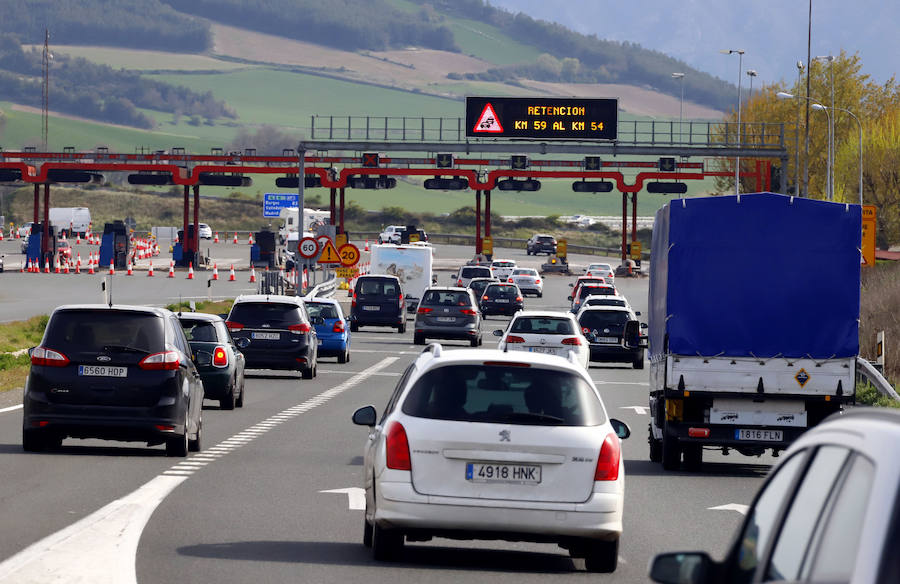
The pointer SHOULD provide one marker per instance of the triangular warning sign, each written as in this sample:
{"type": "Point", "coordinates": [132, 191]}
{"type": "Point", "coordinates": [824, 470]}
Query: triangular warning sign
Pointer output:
{"type": "Point", "coordinates": [488, 122]}
{"type": "Point", "coordinates": [329, 254]}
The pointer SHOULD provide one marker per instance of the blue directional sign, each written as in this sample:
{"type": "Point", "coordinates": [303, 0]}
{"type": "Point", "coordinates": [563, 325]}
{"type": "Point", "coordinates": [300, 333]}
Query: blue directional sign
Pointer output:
{"type": "Point", "coordinates": [273, 203]}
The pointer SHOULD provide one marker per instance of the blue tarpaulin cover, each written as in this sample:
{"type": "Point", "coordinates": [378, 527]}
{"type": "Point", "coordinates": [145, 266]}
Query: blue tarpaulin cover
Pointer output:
{"type": "Point", "coordinates": [761, 275]}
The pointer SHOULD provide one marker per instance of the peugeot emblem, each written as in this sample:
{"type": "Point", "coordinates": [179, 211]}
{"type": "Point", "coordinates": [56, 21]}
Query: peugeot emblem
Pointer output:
{"type": "Point", "coordinates": [504, 435]}
{"type": "Point", "coordinates": [103, 358]}
{"type": "Point", "coordinates": [543, 341]}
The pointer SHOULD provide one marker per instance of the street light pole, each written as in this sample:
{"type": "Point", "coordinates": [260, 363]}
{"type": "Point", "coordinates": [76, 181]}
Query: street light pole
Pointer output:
{"type": "Point", "coordinates": [797, 190]}
{"type": "Point", "coordinates": [751, 73]}
{"type": "Point", "coordinates": [830, 187]}
{"type": "Point", "coordinates": [737, 160]}
{"type": "Point", "coordinates": [818, 107]}
{"type": "Point", "coordinates": [681, 105]}
{"type": "Point", "coordinates": [859, 126]}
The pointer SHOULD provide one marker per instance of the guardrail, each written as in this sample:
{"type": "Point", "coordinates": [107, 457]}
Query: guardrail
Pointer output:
{"type": "Point", "coordinates": [873, 376]}
{"type": "Point", "coordinates": [324, 290]}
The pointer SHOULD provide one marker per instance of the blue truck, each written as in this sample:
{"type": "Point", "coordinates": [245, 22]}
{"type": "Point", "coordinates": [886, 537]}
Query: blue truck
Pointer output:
{"type": "Point", "coordinates": [754, 322]}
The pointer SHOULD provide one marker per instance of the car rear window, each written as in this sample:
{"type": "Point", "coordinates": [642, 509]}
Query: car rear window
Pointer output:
{"type": "Point", "coordinates": [322, 309]}
{"type": "Point", "coordinates": [378, 287]}
{"type": "Point", "coordinates": [598, 301]}
{"type": "Point", "coordinates": [524, 272]}
{"type": "Point", "coordinates": [475, 272]}
{"type": "Point", "coordinates": [446, 298]}
{"type": "Point", "coordinates": [546, 239]}
{"type": "Point", "coordinates": [74, 331]}
{"type": "Point", "coordinates": [543, 325]}
{"type": "Point", "coordinates": [501, 291]}
{"type": "Point", "coordinates": [273, 314]}
{"type": "Point", "coordinates": [504, 394]}
{"type": "Point", "coordinates": [599, 319]}
{"type": "Point", "coordinates": [586, 291]}
{"type": "Point", "coordinates": [503, 265]}
{"type": "Point", "coordinates": [198, 330]}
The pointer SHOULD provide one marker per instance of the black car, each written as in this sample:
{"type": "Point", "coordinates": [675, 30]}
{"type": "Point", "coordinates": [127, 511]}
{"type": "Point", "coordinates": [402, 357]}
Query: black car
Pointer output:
{"type": "Point", "coordinates": [274, 332]}
{"type": "Point", "coordinates": [220, 363]}
{"type": "Point", "coordinates": [447, 313]}
{"type": "Point", "coordinates": [115, 373]}
{"type": "Point", "coordinates": [477, 285]}
{"type": "Point", "coordinates": [378, 300]}
{"type": "Point", "coordinates": [604, 327]}
{"type": "Point", "coordinates": [501, 299]}
{"type": "Point", "coordinates": [540, 243]}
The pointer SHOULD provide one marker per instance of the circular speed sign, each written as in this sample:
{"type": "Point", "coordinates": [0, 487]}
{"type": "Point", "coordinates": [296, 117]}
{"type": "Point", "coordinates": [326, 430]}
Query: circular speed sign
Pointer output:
{"type": "Point", "coordinates": [349, 255]}
{"type": "Point", "coordinates": [308, 247]}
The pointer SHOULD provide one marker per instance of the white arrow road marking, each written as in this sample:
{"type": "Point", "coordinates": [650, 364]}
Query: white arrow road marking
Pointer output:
{"type": "Point", "coordinates": [355, 496]}
{"type": "Point", "coordinates": [742, 509]}
{"type": "Point", "coordinates": [18, 407]}
{"type": "Point", "coordinates": [640, 410]}
{"type": "Point", "coordinates": [102, 547]}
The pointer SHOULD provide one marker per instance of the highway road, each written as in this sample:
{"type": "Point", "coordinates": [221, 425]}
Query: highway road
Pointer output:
{"type": "Point", "coordinates": [267, 500]}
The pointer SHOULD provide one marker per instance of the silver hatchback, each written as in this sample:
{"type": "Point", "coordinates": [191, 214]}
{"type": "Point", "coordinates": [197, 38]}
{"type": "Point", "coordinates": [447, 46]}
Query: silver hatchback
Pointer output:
{"type": "Point", "coordinates": [448, 313]}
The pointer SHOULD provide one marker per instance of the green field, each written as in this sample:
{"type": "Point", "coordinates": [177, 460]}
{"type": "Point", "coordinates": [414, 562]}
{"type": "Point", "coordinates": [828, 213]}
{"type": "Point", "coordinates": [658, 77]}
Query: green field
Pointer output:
{"type": "Point", "coordinates": [121, 58]}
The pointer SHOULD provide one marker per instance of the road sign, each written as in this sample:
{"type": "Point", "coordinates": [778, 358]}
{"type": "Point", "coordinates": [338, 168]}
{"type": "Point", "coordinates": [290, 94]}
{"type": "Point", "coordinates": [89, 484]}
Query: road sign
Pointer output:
{"type": "Point", "coordinates": [273, 203]}
{"type": "Point", "coordinates": [350, 272]}
{"type": "Point", "coordinates": [414, 237]}
{"type": "Point", "coordinates": [487, 245]}
{"type": "Point", "coordinates": [869, 213]}
{"type": "Point", "coordinates": [636, 251]}
{"type": "Point", "coordinates": [329, 253]}
{"type": "Point", "coordinates": [308, 247]}
{"type": "Point", "coordinates": [542, 117]}
{"type": "Point", "coordinates": [340, 239]}
{"type": "Point", "coordinates": [562, 248]}
{"type": "Point", "coordinates": [349, 255]}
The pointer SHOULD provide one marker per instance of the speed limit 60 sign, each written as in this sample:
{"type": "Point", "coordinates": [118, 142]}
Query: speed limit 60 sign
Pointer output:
{"type": "Point", "coordinates": [308, 247]}
{"type": "Point", "coordinates": [349, 255]}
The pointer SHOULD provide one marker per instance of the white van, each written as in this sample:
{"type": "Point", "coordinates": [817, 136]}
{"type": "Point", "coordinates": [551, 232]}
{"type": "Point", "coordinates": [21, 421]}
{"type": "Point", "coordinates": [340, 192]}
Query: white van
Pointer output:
{"type": "Point", "coordinates": [410, 263]}
{"type": "Point", "coordinates": [70, 220]}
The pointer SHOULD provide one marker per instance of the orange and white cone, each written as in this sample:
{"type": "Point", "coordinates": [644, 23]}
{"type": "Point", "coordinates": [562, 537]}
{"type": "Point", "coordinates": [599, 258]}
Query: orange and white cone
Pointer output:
{"type": "Point", "coordinates": [171, 270]}
{"type": "Point", "coordinates": [176, 238]}
{"type": "Point", "coordinates": [250, 239]}
{"type": "Point", "coordinates": [231, 275]}
{"type": "Point", "coordinates": [215, 275]}
{"type": "Point", "coordinates": [367, 245]}
{"type": "Point", "coordinates": [252, 274]}
{"type": "Point", "coordinates": [129, 272]}
{"type": "Point", "coordinates": [78, 265]}
{"type": "Point", "coordinates": [235, 237]}
{"type": "Point", "coordinates": [67, 267]}
{"type": "Point", "coordinates": [47, 266]}
{"type": "Point", "coordinates": [190, 275]}
{"type": "Point", "coordinates": [91, 266]}
{"type": "Point", "coordinates": [57, 269]}
{"type": "Point", "coordinates": [150, 270]}
{"type": "Point", "coordinates": [1, 234]}
{"type": "Point", "coordinates": [112, 269]}
{"type": "Point", "coordinates": [216, 238]}
{"type": "Point", "coordinates": [77, 239]}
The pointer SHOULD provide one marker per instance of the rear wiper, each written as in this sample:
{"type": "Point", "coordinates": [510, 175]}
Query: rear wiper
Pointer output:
{"type": "Point", "coordinates": [533, 417]}
{"type": "Point", "coordinates": [124, 349]}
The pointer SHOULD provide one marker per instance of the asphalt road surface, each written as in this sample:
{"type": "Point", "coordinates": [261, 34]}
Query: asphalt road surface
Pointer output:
{"type": "Point", "coordinates": [259, 503]}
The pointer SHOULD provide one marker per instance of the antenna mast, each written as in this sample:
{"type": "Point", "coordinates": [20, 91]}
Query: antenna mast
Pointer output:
{"type": "Point", "coordinates": [45, 93]}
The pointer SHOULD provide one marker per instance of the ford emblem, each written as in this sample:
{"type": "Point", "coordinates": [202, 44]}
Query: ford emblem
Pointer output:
{"type": "Point", "coordinates": [103, 358]}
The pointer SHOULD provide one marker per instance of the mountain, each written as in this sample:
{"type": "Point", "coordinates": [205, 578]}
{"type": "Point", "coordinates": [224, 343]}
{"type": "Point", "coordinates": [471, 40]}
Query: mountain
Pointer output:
{"type": "Point", "coordinates": [772, 32]}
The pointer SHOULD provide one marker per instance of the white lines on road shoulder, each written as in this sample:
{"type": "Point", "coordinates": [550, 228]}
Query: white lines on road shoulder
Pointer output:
{"type": "Point", "coordinates": [356, 497]}
{"type": "Point", "coordinates": [641, 410]}
{"type": "Point", "coordinates": [10, 409]}
{"type": "Point", "coordinates": [742, 509]}
{"type": "Point", "coordinates": [102, 547]}
{"type": "Point", "coordinates": [343, 372]}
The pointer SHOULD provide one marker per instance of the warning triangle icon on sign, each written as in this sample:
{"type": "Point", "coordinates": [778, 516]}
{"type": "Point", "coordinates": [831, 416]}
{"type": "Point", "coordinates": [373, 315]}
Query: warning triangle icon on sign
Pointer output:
{"type": "Point", "coordinates": [329, 254]}
{"type": "Point", "coordinates": [488, 122]}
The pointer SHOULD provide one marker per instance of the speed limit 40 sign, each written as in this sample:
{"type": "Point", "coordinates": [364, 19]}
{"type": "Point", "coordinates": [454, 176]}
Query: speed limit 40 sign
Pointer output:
{"type": "Point", "coordinates": [308, 247]}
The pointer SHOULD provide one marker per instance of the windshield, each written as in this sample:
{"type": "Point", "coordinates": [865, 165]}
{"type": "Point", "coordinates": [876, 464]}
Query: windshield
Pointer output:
{"type": "Point", "coordinates": [503, 394]}
{"type": "Point", "coordinates": [446, 298]}
{"type": "Point", "coordinates": [586, 291]}
{"type": "Point", "coordinates": [323, 309]}
{"type": "Point", "coordinates": [265, 314]}
{"type": "Point", "coordinates": [75, 331]}
{"type": "Point", "coordinates": [503, 265]}
{"type": "Point", "coordinates": [475, 272]}
{"type": "Point", "coordinates": [594, 320]}
{"type": "Point", "coordinates": [501, 291]}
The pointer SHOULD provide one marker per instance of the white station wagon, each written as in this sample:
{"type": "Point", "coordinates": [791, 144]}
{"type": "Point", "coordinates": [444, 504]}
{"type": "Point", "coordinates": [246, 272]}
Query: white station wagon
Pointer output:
{"type": "Point", "coordinates": [482, 444]}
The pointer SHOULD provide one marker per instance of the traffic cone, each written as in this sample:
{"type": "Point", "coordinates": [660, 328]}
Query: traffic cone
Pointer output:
{"type": "Point", "coordinates": [231, 275]}
{"type": "Point", "coordinates": [252, 274]}
{"type": "Point", "coordinates": [235, 237]}
{"type": "Point", "coordinates": [129, 272]}
{"type": "Point", "coordinates": [1, 235]}
{"type": "Point", "coordinates": [67, 267]}
{"type": "Point", "coordinates": [250, 239]}
{"type": "Point", "coordinates": [367, 244]}
{"type": "Point", "coordinates": [91, 266]}
{"type": "Point", "coordinates": [176, 239]}
{"type": "Point", "coordinates": [171, 270]}
{"type": "Point", "coordinates": [112, 269]}
{"type": "Point", "coordinates": [150, 270]}
{"type": "Point", "coordinates": [57, 270]}
{"type": "Point", "coordinates": [216, 238]}
{"type": "Point", "coordinates": [17, 234]}
{"type": "Point", "coordinates": [190, 271]}
{"type": "Point", "coordinates": [47, 266]}
{"type": "Point", "coordinates": [215, 275]}
{"type": "Point", "coordinates": [77, 239]}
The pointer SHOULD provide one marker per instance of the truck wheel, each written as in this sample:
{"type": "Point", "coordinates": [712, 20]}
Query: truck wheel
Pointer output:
{"type": "Point", "coordinates": [655, 447]}
{"type": "Point", "coordinates": [671, 452]}
{"type": "Point", "coordinates": [693, 457]}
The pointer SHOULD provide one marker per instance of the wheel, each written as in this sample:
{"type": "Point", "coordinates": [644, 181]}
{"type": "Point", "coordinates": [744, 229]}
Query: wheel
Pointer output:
{"type": "Point", "coordinates": [367, 533]}
{"type": "Point", "coordinates": [638, 362]}
{"type": "Point", "coordinates": [387, 544]}
{"type": "Point", "coordinates": [655, 446]}
{"type": "Point", "coordinates": [345, 356]}
{"type": "Point", "coordinates": [228, 402]}
{"type": "Point", "coordinates": [239, 402]}
{"type": "Point", "coordinates": [670, 452]}
{"type": "Point", "coordinates": [474, 341]}
{"type": "Point", "coordinates": [195, 444]}
{"type": "Point", "coordinates": [602, 556]}
{"type": "Point", "coordinates": [32, 441]}
{"type": "Point", "coordinates": [693, 457]}
{"type": "Point", "coordinates": [402, 328]}
{"type": "Point", "coordinates": [177, 445]}
{"type": "Point", "coordinates": [418, 339]}
{"type": "Point", "coordinates": [307, 373]}
{"type": "Point", "coordinates": [353, 327]}
{"type": "Point", "coordinates": [540, 294]}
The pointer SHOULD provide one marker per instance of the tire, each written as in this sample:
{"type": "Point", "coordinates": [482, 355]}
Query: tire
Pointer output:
{"type": "Point", "coordinates": [367, 533]}
{"type": "Point", "coordinates": [354, 327]}
{"type": "Point", "coordinates": [197, 443]}
{"type": "Point", "coordinates": [474, 341]}
{"type": "Point", "coordinates": [655, 446]}
{"type": "Point", "coordinates": [402, 328]}
{"type": "Point", "coordinates": [638, 362]}
{"type": "Point", "coordinates": [602, 556]}
{"type": "Point", "coordinates": [33, 441]}
{"type": "Point", "coordinates": [239, 402]}
{"type": "Point", "coordinates": [670, 452]}
{"type": "Point", "coordinates": [177, 446]}
{"type": "Point", "coordinates": [307, 373]}
{"type": "Point", "coordinates": [418, 339]}
{"type": "Point", "coordinates": [693, 457]}
{"type": "Point", "coordinates": [345, 356]}
{"type": "Point", "coordinates": [540, 294]}
{"type": "Point", "coordinates": [228, 402]}
{"type": "Point", "coordinates": [387, 544]}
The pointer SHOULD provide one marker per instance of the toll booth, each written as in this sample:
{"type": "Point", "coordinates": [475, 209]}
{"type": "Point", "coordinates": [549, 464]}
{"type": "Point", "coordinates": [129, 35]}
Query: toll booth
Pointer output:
{"type": "Point", "coordinates": [263, 252]}
{"type": "Point", "coordinates": [182, 257]}
{"type": "Point", "coordinates": [115, 245]}
{"type": "Point", "coordinates": [33, 250]}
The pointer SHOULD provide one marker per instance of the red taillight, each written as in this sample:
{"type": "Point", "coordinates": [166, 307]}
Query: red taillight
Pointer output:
{"type": "Point", "coordinates": [233, 326]}
{"type": "Point", "coordinates": [167, 361]}
{"type": "Point", "coordinates": [299, 328]}
{"type": "Point", "coordinates": [571, 341]}
{"type": "Point", "coordinates": [608, 461]}
{"type": "Point", "coordinates": [459, 283]}
{"type": "Point", "coordinates": [485, 297]}
{"type": "Point", "coordinates": [468, 311]}
{"type": "Point", "coordinates": [505, 364]}
{"type": "Point", "coordinates": [353, 300]}
{"type": "Point", "coordinates": [423, 310]}
{"type": "Point", "coordinates": [518, 299]}
{"type": "Point", "coordinates": [220, 357]}
{"type": "Point", "coordinates": [338, 326]}
{"type": "Point", "coordinates": [698, 432]}
{"type": "Point", "coordinates": [397, 448]}
{"type": "Point", "coordinates": [585, 330]}
{"type": "Point", "coordinates": [48, 358]}
{"type": "Point", "coordinates": [537, 280]}
{"type": "Point", "coordinates": [514, 339]}
{"type": "Point", "coordinates": [165, 428]}
{"type": "Point", "coordinates": [510, 280]}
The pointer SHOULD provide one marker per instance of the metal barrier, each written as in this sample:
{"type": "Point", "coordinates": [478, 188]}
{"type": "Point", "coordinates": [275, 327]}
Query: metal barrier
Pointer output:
{"type": "Point", "coordinates": [324, 290]}
{"type": "Point", "coordinates": [873, 376]}
{"type": "Point", "coordinates": [271, 283]}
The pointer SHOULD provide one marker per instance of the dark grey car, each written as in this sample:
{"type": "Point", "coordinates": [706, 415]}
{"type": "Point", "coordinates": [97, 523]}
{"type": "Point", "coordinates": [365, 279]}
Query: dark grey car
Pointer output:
{"type": "Point", "coordinates": [448, 313]}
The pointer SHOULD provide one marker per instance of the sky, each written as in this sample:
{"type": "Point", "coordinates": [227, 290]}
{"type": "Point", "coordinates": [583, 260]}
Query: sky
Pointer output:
{"type": "Point", "coordinates": [773, 33]}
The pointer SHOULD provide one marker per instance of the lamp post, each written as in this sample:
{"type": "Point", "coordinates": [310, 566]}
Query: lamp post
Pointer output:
{"type": "Point", "coordinates": [797, 189]}
{"type": "Point", "coordinates": [751, 73]}
{"type": "Point", "coordinates": [737, 160]}
{"type": "Point", "coordinates": [828, 163]}
{"type": "Point", "coordinates": [859, 126]}
{"type": "Point", "coordinates": [681, 105]}
{"type": "Point", "coordinates": [830, 60]}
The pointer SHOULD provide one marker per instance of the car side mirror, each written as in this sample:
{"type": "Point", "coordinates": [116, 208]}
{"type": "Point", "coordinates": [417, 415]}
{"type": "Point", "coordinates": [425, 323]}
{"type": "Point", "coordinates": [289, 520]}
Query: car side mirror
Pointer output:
{"type": "Point", "coordinates": [637, 313]}
{"type": "Point", "coordinates": [644, 325]}
{"type": "Point", "coordinates": [434, 278]}
{"type": "Point", "coordinates": [498, 333]}
{"type": "Point", "coordinates": [364, 416]}
{"type": "Point", "coordinates": [569, 298]}
{"type": "Point", "coordinates": [681, 568]}
{"type": "Point", "coordinates": [621, 428]}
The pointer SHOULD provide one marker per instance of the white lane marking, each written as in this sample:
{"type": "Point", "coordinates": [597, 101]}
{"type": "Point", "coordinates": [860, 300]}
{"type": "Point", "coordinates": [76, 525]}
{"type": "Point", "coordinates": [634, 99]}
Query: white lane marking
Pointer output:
{"type": "Point", "coordinates": [602, 382]}
{"type": "Point", "coordinates": [99, 548]}
{"type": "Point", "coordinates": [10, 409]}
{"type": "Point", "coordinates": [356, 497]}
{"type": "Point", "coordinates": [343, 372]}
{"type": "Point", "coordinates": [102, 547]}
{"type": "Point", "coordinates": [387, 352]}
{"type": "Point", "coordinates": [641, 410]}
{"type": "Point", "coordinates": [742, 509]}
